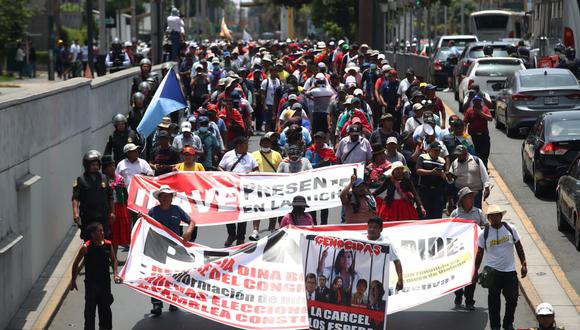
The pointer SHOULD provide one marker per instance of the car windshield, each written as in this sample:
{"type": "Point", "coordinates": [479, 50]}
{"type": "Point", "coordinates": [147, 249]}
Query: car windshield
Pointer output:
{"type": "Point", "coordinates": [487, 22]}
{"type": "Point", "coordinates": [565, 128]}
{"type": "Point", "coordinates": [459, 43]}
{"type": "Point", "coordinates": [500, 68]}
{"type": "Point", "coordinates": [541, 80]}
{"type": "Point", "coordinates": [477, 52]}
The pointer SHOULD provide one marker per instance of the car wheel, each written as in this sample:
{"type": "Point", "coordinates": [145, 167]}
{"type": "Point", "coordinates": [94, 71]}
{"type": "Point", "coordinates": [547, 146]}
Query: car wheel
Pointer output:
{"type": "Point", "coordinates": [526, 177]}
{"type": "Point", "coordinates": [560, 220]}
{"type": "Point", "coordinates": [537, 184]}
{"type": "Point", "coordinates": [509, 131]}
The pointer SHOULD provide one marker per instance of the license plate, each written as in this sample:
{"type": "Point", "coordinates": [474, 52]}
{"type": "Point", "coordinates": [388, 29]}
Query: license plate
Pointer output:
{"type": "Point", "coordinates": [551, 100]}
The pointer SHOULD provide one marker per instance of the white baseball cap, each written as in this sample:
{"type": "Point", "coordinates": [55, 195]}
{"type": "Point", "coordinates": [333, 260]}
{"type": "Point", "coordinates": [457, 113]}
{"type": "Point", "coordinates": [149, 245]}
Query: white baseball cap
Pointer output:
{"type": "Point", "coordinates": [186, 126]}
{"type": "Point", "coordinates": [545, 309]}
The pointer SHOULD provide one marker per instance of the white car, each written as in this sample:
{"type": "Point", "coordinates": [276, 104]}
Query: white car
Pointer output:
{"type": "Point", "coordinates": [490, 73]}
{"type": "Point", "coordinates": [460, 40]}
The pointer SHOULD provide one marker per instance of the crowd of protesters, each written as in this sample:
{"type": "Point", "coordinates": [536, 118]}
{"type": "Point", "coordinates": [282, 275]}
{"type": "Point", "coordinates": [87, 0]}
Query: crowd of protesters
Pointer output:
{"type": "Point", "coordinates": [312, 104]}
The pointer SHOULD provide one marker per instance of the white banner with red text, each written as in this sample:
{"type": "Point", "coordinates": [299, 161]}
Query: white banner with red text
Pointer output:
{"type": "Point", "coordinates": [261, 285]}
{"type": "Point", "coordinates": [213, 198]}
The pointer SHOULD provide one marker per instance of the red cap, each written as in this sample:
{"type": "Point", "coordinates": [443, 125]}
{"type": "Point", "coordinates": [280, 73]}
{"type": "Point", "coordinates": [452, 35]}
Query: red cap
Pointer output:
{"type": "Point", "coordinates": [393, 72]}
{"type": "Point", "coordinates": [356, 120]}
{"type": "Point", "coordinates": [212, 107]}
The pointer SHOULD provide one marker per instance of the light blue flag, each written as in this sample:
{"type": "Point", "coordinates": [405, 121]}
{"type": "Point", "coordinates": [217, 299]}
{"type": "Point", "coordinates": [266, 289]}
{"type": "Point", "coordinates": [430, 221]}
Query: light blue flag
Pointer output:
{"type": "Point", "coordinates": [167, 98]}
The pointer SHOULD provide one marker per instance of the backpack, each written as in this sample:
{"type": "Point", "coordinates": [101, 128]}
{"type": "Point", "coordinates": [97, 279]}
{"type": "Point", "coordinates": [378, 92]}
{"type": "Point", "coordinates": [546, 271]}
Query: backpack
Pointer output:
{"type": "Point", "coordinates": [486, 232]}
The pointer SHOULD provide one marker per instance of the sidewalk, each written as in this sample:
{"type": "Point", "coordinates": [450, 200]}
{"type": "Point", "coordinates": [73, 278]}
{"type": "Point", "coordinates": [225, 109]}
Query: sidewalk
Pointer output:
{"type": "Point", "coordinates": [545, 281]}
{"type": "Point", "coordinates": [14, 86]}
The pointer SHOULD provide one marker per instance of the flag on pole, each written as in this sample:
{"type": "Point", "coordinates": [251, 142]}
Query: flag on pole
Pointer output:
{"type": "Point", "coordinates": [246, 36]}
{"type": "Point", "coordinates": [225, 32]}
{"type": "Point", "coordinates": [167, 98]}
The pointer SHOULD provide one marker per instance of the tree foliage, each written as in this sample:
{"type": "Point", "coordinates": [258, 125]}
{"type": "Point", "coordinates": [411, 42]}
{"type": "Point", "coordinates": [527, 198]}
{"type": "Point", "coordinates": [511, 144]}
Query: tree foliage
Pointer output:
{"type": "Point", "coordinates": [337, 18]}
{"type": "Point", "coordinates": [14, 18]}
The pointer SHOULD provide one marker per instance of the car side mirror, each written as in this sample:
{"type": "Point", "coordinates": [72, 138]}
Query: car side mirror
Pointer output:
{"type": "Point", "coordinates": [524, 131]}
{"type": "Point", "coordinates": [562, 170]}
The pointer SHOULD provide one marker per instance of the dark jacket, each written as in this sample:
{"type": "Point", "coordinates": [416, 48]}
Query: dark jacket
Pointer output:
{"type": "Point", "coordinates": [406, 185]}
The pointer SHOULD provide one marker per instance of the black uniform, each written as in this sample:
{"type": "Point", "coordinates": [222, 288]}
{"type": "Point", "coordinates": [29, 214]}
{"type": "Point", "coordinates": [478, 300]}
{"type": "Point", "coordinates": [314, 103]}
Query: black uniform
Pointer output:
{"type": "Point", "coordinates": [94, 196]}
{"type": "Point", "coordinates": [138, 80]}
{"type": "Point", "coordinates": [98, 285]}
{"type": "Point", "coordinates": [117, 141]}
{"type": "Point", "coordinates": [135, 116]}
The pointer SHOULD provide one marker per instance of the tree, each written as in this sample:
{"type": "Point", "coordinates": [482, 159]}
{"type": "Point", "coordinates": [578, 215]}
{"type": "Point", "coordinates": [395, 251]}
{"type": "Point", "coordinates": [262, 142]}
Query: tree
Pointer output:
{"type": "Point", "coordinates": [14, 18]}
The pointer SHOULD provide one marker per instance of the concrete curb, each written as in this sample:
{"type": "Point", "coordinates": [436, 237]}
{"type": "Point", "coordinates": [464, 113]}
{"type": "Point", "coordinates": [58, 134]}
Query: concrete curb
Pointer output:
{"type": "Point", "coordinates": [53, 291]}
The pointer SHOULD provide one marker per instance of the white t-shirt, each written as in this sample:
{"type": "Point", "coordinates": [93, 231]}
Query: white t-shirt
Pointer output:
{"type": "Point", "coordinates": [128, 170]}
{"type": "Point", "coordinates": [175, 23]}
{"type": "Point", "coordinates": [246, 165]}
{"type": "Point", "coordinates": [499, 246]}
{"type": "Point", "coordinates": [384, 239]}
{"type": "Point", "coordinates": [271, 85]}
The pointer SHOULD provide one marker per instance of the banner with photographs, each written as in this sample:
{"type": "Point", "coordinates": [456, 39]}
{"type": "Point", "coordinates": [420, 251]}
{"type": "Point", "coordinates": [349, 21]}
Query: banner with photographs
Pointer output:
{"type": "Point", "coordinates": [346, 282]}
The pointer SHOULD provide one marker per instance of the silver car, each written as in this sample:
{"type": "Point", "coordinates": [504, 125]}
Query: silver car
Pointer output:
{"type": "Point", "coordinates": [529, 93]}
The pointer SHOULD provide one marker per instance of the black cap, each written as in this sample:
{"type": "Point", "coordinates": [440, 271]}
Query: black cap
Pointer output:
{"type": "Point", "coordinates": [107, 160]}
{"type": "Point", "coordinates": [320, 134]}
{"type": "Point", "coordinates": [410, 71]}
{"type": "Point", "coordinates": [163, 134]}
{"type": "Point", "coordinates": [434, 145]}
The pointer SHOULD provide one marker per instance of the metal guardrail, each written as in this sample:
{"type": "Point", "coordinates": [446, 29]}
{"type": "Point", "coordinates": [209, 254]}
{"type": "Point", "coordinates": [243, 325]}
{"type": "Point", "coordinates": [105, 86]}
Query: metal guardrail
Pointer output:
{"type": "Point", "coordinates": [403, 61]}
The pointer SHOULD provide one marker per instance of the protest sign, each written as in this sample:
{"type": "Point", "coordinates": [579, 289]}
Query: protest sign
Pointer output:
{"type": "Point", "coordinates": [261, 285]}
{"type": "Point", "coordinates": [213, 198]}
{"type": "Point", "coordinates": [346, 282]}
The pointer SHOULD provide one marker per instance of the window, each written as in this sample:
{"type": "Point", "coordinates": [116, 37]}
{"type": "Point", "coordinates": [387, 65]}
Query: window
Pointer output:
{"type": "Point", "coordinates": [497, 68]}
{"type": "Point", "coordinates": [565, 128]}
{"type": "Point", "coordinates": [542, 81]}
{"type": "Point", "coordinates": [477, 52]}
{"type": "Point", "coordinates": [489, 22]}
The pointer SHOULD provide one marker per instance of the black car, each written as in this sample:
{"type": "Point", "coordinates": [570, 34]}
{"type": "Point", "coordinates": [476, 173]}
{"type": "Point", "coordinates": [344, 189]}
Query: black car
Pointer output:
{"type": "Point", "coordinates": [437, 67]}
{"type": "Point", "coordinates": [568, 201]}
{"type": "Point", "coordinates": [551, 144]}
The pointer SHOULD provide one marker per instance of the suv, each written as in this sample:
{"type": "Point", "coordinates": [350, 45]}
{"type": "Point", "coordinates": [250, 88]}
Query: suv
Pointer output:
{"type": "Point", "coordinates": [461, 41]}
{"type": "Point", "coordinates": [472, 52]}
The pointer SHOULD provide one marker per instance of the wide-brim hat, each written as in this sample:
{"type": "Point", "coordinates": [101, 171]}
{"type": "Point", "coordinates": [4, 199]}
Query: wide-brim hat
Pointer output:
{"type": "Point", "coordinates": [394, 166]}
{"type": "Point", "coordinates": [299, 201]}
{"type": "Point", "coordinates": [463, 192]}
{"type": "Point", "coordinates": [495, 209]}
{"type": "Point", "coordinates": [130, 147]}
{"type": "Point", "coordinates": [164, 189]}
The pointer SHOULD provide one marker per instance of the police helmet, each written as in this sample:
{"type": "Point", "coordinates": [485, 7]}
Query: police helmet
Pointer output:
{"type": "Point", "coordinates": [91, 156]}
{"type": "Point", "coordinates": [570, 53]}
{"type": "Point", "coordinates": [138, 96]}
{"type": "Point", "coordinates": [487, 50]}
{"type": "Point", "coordinates": [120, 118]}
{"type": "Point", "coordinates": [145, 61]}
{"type": "Point", "coordinates": [144, 86]}
{"type": "Point", "coordinates": [116, 42]}
{"type": "Point", "coordinates": [560, 48]}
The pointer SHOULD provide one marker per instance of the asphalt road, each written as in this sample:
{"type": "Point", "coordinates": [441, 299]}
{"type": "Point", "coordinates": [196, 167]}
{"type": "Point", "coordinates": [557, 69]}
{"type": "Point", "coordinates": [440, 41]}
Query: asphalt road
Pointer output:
{"type": "Point", "coordinates": [131, 309]}
{"type": "Point", "coordinates": [506, 157]}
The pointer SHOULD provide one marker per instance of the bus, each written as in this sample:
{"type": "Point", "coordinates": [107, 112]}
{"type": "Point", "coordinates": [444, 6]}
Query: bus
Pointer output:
{"type": "Point", "coordinates": [492, 25]}
{"type": "Point", "coordinates": [557, 20]}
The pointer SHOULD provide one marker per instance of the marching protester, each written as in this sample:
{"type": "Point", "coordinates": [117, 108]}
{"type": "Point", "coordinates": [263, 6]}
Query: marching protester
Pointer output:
{"type": "Point", "coordinates": [546, 317]}
{"type": "Point", "coordinates": [400, 194]}
{"type": "Point", "coordinates": [358, 203]}
{"type": "Point", "coordinates": [297, 217]}
{"type": "Point", "coordinates": [97, 256]}
{"type": "Point", "coordinates": [238, 160]}
{"type": "Point", "coordinates": [132, 164]}
{"type": "Point", "coordinates": [469, 171]}
{"type": "Point", "coordinates": [120, 226]}
{"type": "Point", "coordinates": [374, 233]}
{"type": "Point", "coordinates": [499, 276]}
{"type": "Point", "coordinates": [476, 119]}
{"type": "Point", "coordinates": [171, 216]}
{"type": "Point", "coordinates": [466, 209]}
{"type": "Point", "coordinates": [189, 163]}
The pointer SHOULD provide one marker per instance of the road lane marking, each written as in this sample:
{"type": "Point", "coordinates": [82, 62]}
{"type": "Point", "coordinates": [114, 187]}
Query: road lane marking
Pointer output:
{"type": "Point", "coordinates": [531, 229]}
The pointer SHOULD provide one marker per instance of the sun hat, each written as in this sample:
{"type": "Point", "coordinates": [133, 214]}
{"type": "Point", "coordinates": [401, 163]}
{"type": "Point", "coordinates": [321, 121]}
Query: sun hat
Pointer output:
{"type": "Point", "coordinates": [545, 309]}
{"type": "Point", "coordinates": [130, 147]}
{"type": "Point", "coordinates": [394, 166]}
{"type": "Point", "coordinates": [494, 209]}
{"type": "Point", "coordinates": [299, 201]}
{"type": "Point", "coordinates": [164, 189]}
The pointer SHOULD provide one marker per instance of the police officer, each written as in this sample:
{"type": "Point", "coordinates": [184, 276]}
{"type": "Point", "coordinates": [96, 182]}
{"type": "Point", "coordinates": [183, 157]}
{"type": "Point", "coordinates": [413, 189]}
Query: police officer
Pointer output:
{"type": "Point", "coordinates": [92, 198]}
{"type": "Point", "coordinates": [120, 137]}
{"type": "Point", "coordinates": [571, 62]}
{"type": "Point", "coordinates": [145, 66]}
{"type": "Point", "coordinates": [137, 111]}
{"type": "Point", "coordinates": [117, 59]}
{"type": "Point", "coordinates": [488, 51]}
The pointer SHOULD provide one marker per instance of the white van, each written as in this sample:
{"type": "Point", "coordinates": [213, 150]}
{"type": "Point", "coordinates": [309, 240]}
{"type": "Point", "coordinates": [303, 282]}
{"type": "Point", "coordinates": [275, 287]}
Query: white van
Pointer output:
{"type": "Point", "coordinates": [460, 40]}
{"type": "Point", "coordinates": [493, 25]}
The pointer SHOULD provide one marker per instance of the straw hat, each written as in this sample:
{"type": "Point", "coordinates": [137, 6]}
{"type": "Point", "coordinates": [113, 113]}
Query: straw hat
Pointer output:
{"type": "Point", "coordinates": [394, 166]}
{"type": "Point", "coordinates": [494, 209]}
{"type": "Point", "coordinates": [164, 189]}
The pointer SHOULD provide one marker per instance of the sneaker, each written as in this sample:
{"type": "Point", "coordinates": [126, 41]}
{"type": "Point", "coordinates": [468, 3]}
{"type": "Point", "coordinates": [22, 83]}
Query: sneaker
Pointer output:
{"type": "Point", "coordinates": [173, 308]}
{"type": "Point", "coordinates": [255, 236]}
{"type": "Point", "coordinates": [240, 241]}
{"type": "Point", "coordinates": [156, 311]}
{"type": "Point", "coordinates": [470, 307]}
{"type": "Point", "coordinates": [446, 90]}
{"type": "Point", "coordinates": [229, 241]}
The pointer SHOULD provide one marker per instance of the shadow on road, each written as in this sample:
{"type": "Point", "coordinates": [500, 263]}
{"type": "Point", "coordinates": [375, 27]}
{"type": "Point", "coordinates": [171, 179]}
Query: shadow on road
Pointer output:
{"type": "Point", "coordinates": [458, 320]}
{"type": "Point", "coordinates": [178, 320]}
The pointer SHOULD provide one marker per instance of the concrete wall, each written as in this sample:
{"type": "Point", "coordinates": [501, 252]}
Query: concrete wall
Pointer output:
{"type": "Point", "coordinates": [45, 133]}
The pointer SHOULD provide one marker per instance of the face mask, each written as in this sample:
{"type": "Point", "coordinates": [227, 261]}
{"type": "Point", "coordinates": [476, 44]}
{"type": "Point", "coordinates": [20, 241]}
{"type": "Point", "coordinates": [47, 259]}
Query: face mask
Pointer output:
{"type": "Point", "coordinates": [203, 129]}
{"type": "Point", "coordinates": [265, 150]}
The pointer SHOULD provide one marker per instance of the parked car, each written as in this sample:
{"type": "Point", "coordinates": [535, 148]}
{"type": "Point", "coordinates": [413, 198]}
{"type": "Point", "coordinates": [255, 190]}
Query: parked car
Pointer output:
{"type": "Point", "coordinates": [472, 52]}
{"type": "Point", "coordinates": [529, 93]}
{"type": "Point", "coordinates": [437, 64]}
{"type": "Point", "coordinates": [552, 143]}
{"type": "Point", "coordinates": [568, 201]}
{"type": "Point", "coordinates": [490, 73]}
{"type": "Point", "coordinates": [460, 40]}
